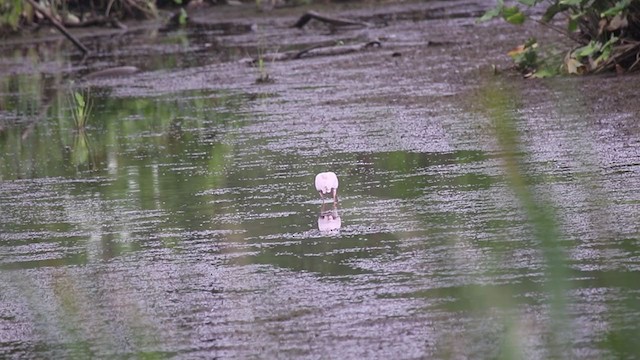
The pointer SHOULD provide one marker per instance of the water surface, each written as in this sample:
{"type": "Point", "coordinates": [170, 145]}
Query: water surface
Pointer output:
{"type": "Point", "coordinates": [479, 219]}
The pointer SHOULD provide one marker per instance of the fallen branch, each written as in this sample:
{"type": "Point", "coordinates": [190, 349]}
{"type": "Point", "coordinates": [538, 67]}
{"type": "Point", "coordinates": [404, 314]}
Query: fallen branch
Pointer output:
{"type": "Point", "coordinates": [316, 50]}
{"type": "Point", "coordinates": [304, 19]}
{"type": "Point", "coordinates": [335, 50]}
{"type": "Point", "coordinates": [133, 4]}
{"type": "Point", "coordinates": [58, 26]}
{"type": "Point", "coordinates": [98, 21]}
{"type": "Point", "coordinates": [112, 72]}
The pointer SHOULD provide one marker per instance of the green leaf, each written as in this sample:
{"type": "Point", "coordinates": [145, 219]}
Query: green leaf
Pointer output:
{"type": "Point", "coordinates": [545, 73]}
{"type": "Point", "coordinates": [516, 19]}
{"type": "Point", "coordinates": [617, 8]}
{"type": "Point", "coordinates": [578, 14]}
{"type": "Point", "coordinates": [587, 50]}
{"type": "Point", "coordinates": [611, 41]}
{"type": "Point", "coordinates": [79, 99]}
{"type": "Point", "coordinates": [183, 17]}
{"type": "Point", "coordinates": [528, 2]}
{"type": "Point", "coordinates": [492, 13]}
{"type": "Point", "coordinates": [573, 25]}
{"type": "Point", "coordinates": [607, 48]}
{"type": "Point", "coordinates": [513, 15]}
{"type": "Point", "coordinates": [509, 11]}
{"type": "Point", "coordinates": [552, 11]}
{"type": "Point", "coordinates": [570, 2]}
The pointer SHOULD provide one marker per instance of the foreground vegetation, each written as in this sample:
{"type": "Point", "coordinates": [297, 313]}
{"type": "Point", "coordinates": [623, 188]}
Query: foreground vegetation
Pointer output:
{"type": "Point", "coordinates": [16, 15]}
{"type": "Point", "coordinates": [606, 34]}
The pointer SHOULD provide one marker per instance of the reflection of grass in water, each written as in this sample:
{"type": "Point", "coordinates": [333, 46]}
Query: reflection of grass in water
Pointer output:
{"type": "Point", "coordinates": [81, 104]}
{"type": "Point", "coordinates": [82, 154]}
{"type": "Point", "coordinates": [72, 322]}
{"type": "Point", "coordinates": [555, 331]}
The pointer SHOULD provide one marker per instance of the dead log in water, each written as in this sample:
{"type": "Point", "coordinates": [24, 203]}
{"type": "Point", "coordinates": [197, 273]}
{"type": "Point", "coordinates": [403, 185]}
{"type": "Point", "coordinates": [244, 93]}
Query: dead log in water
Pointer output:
{"type": "Point", "coordinates": [112, 72]}
{"type": "Point", "coordinates": [309, 15]}
{"type": "Point", "coordinates": [316, 50]}
{"type": "Point", "coordinates": [97, 21]}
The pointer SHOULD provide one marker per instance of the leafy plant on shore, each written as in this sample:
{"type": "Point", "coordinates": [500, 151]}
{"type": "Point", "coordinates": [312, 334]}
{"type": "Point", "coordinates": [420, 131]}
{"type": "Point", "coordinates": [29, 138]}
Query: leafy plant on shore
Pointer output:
{"type": "Point", "coordinates": [15, 14]}
{"type": "Point", "coordinates": [10, 14]}
{"type": "Point", "coordinates": [606, 33]}
{"type": "Point", "coordinates": [529, 61]}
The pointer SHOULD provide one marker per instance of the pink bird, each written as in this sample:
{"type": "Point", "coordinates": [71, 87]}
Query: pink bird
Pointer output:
{"type": "Point", "coordinates": [327, 183]}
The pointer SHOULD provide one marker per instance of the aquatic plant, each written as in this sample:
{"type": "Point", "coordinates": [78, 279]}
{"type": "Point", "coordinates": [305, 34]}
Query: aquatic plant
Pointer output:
{"type": "Point", "coordinates": [606, 33]}
{"type": "Point", "coordinates": [263, 75]}
{"type": "Point", "coordinates": [81, 106]}
{"type": "Point", "coordinates": [11, 12]}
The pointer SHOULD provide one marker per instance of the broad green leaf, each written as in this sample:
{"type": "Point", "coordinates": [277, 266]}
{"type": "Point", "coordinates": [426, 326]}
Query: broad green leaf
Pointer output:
{"type": "Point", "coordinates": [516, 19]}
{"type": "Point", "coordinates": [587, 50]}
{"type": "Point", "coordinates": [491, 13]}
{"type": "Point", "coordinates": [617, 8]}
{"type": "Point", "coordinates": [509, 11]}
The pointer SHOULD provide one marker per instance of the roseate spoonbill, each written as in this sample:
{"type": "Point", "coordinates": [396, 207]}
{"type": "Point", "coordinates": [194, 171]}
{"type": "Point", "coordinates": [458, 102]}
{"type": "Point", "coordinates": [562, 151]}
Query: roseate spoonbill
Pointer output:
{"type": "Point", "coordinates": [327, 182]}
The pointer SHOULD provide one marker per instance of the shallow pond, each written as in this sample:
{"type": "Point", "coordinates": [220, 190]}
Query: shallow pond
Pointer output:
{"type": "Point", "coordinates": [472, 222]}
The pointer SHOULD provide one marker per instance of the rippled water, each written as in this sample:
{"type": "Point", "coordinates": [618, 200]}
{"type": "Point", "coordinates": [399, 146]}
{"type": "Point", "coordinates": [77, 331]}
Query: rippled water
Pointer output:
{"type": "Point", "coordinates": [188, 225]}
{"type": "Point", "coordinates": [473, 222]}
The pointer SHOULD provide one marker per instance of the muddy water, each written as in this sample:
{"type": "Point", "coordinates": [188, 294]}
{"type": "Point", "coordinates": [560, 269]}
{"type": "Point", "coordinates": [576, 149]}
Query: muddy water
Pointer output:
{"type": "Point", "coordinates": [478, 216]}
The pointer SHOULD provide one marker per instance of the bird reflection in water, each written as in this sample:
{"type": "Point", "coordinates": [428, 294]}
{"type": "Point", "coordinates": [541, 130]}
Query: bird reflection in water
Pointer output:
{"type": "Point", "coordinates": [329, 220]}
